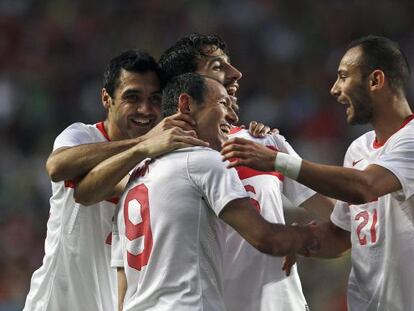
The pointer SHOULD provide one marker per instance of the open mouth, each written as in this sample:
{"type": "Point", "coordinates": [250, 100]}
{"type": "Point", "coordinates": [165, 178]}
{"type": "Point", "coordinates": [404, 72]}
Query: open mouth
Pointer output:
{"type": "Point", "coordinates": [232, 88]}
{"type": "Point", "coordinates": [141, 122]}
{"type": "Point", "coordinates": [225, 128]}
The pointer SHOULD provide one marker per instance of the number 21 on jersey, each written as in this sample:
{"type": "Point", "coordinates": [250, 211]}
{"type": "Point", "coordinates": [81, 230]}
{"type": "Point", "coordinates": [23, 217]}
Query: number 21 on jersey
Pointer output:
{"type": "Point", "coordinates": [138, 227]}
{"type": "Point", "coordinates": [366, 230]}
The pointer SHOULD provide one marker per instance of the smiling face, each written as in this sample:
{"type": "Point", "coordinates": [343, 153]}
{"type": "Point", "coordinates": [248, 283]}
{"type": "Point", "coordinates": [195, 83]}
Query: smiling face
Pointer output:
{"type": "Point", "coordinates": [216, 64]}
{"type": "Point", "coordinates": [352, 88]}
{"type": "Point", "coordinates": [212, 115]}
{"type": "Point", "coordinates": [135, 107]}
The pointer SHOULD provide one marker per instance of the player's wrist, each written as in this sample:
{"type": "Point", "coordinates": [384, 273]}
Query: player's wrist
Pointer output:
{"type": "Point", "coordinates": [288, 165]}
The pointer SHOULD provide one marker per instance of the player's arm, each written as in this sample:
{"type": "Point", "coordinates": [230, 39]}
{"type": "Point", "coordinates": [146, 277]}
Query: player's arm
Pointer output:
{"type": "Point", "coordinates": [67, 163]}
{"type": "Point", "coordinates": [70, 162]}
{"type": "Point", "coordinates": [122, 287]}
{"type": "Point", "coordinates": [320, 206]}
{"type": "Point", "coordinates": [333, 241]}
{"type": "Point", "coordinates": [108, 177]}
{"type": "Point", "coordinates": [346, 184]}
{"type": "Point", "coordinates": [269, 238]}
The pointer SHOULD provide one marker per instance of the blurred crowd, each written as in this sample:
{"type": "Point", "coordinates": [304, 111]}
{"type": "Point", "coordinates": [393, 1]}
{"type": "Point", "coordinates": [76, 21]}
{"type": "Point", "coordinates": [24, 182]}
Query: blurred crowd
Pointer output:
{"type": "Point", "coordinates": [53, 54]}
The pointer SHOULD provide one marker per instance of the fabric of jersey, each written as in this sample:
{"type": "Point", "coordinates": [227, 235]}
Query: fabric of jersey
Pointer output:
{"type": "Point", "coordinates": [253, 280]}
{"type": "Point", "coordinates": [173, 255]}
{"type": "Point", "coordinates": [75, 273]}
{"type": "Point", "coordinates": [382, 231]}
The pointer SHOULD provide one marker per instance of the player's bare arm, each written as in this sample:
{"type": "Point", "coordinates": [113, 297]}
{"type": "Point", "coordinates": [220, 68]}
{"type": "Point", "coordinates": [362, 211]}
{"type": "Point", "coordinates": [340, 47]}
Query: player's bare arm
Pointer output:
{"type": "Point", "coordinates": [319, 206]}
{"type": "Point", "coordinates": [72, 162]}
{"type": "Point", "coordinates": [122, 287]}
{"type": "Point", "coordinates": [269, 238]}
{"type": "Point", "coordinates": [107, 179]}
{"type": "Point", "coordinates": [346, 184]}
{"type": "Point", "coordinates": [332, 241]}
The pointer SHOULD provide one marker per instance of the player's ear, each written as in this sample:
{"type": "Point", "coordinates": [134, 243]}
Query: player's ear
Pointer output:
{"type": "Point", "coordinates": [377, 80]}
{"type": "Point", "coordinates": [184, 102]}
{"type": "Point", "coordinates": [106, 99]}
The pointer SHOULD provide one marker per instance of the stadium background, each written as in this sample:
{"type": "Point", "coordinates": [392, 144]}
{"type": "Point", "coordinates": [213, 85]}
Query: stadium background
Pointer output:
{"type": "Point", "coordinates": [53, 53]}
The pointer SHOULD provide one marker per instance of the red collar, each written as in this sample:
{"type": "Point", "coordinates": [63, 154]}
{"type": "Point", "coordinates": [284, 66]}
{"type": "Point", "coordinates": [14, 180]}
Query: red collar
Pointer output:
{"type": "Point", "coordinates": [376, 144]}
{"type": "Point", "coordinates": [101, 127]}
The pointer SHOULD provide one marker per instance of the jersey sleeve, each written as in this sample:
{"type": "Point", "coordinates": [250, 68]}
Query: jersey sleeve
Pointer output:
{"type": "Point", "coordinates": [217, 184]}
{"type": "Point", "coordinates": [294, 191]}
{"type": "Point", "coordinates": [116, 245]}
{"type": "Point", "coordinates": [399, 159]}
{"type": "Point", "coordinates": [75, 134]}
{"type": "Point", "coordinates": [341, 216]}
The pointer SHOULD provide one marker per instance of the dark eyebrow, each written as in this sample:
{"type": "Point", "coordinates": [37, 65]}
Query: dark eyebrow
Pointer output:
{"type": "Point", "coordinates": [220, 58]}
{"type": "Point", "coordinates": [131, 92]}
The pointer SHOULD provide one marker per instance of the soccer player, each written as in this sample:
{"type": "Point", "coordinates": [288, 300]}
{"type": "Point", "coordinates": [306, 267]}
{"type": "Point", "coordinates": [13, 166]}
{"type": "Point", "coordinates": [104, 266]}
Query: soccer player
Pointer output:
{"type": "Point", "coordinates": [76, 273]}
{"type": "Point", "coordinates": [375, 214]}
{"type": "Point", "coordinates": [253, 280]}
{"type": "Point", "coordinates": [168, 219]}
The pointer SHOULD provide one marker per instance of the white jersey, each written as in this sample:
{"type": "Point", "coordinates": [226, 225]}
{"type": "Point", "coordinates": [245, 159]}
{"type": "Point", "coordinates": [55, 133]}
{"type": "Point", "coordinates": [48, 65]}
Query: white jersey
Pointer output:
{"type": "Point", "coordinates": [170, 234]}
{"type": "Point", "coordinates": [253, 280]}
{"type": "Point", "coordinates": [382, 231]}
{"type": "Point", "coordinates": [76, 273]}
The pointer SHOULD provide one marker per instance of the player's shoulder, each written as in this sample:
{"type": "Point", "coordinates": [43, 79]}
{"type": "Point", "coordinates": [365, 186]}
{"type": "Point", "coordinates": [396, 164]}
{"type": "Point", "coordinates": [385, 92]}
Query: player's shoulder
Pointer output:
{"type": "Point", "coordinates": [202, 158]}
{"type": "Point", "coordinates": [80, 127]}
{"type": "Point", "coordinates": [407, 130]}
{"type": "Point", "coordinates": [363, 141]}
{"type": "Point", "coordinates": [275, 140]}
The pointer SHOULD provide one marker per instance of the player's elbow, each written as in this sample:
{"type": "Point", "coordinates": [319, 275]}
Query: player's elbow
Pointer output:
{"type": "Point", "coordinates": [81, 198]}
{"type": "Point", "coordinates": [364, 192]}
{"type": "Point", "coordinates": [52, 169]}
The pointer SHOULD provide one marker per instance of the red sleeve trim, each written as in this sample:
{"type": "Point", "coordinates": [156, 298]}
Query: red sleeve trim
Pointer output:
{"type": "Point", "coordinates": [114, 200]}
{"type": "Point", "coordinates": [235, 130]}
{"type": "Point", "coordinates": [101, 127]}
{"type": "Point", "coordinates": [70, 184]}
{"type": "Point", "coordinates": [246, 172]}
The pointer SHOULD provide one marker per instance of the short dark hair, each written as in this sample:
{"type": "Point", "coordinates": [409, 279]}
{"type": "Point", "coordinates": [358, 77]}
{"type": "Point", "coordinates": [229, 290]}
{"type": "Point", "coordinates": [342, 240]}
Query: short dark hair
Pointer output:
{"type": "Point", "coordinates": [183, 56]}
{"type": "Point", "coordinates": [138, 61]}
{"type": "Point", "coordinates": [191, 83]}
{"type": "Point", "coordinates": [386, 55]}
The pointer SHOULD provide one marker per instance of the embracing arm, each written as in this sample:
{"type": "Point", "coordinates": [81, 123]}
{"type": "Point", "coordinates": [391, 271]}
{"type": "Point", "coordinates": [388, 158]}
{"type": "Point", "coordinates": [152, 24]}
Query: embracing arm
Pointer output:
{"type": "Point", "coordinates": [346, 184]}
{"type": "Point", "coordinates": [269, 238]}
{"type": "Point", "coordinates": [332, 240]}
{"type": "Point", "coordinates": [70, 162]}
{"type": "Point", "coordinates": [108, 178]}
{"type": "Point", "coordinates": [319, 206]}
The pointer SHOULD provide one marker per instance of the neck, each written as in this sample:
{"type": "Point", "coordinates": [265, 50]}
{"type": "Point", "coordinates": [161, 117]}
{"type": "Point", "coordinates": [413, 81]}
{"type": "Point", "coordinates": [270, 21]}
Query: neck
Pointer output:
{"type": "Point", "coordinates": [113, 132]}
{"type": "Point", "coordinates": [389, 116]}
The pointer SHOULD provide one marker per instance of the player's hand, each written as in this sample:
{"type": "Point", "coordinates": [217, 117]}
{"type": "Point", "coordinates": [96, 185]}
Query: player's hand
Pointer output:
{"type": "Point", "coordinates": [169, 140]}
{"type": "Point", "coordinates": [287, 263]}
{"type": "Point", "coordinates": [310, 239]}
{"type": "Point", "coordinates": [180, 120]}
{"type": "Point", "coordinates": [289, 260]}
{"type": "Point", "coordinates": [257, 129]}
{"type": "Point", "coordinates": [243, 152]}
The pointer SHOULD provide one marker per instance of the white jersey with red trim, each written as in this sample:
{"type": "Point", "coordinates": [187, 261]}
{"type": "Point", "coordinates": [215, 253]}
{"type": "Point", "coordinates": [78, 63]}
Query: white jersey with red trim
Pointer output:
{"type": "Point", "coordinates": [255, 281]}
{"type": "Point", "coordinates": [76, 273]}
{"type": "Point", "coordinates": [382, 231]}
{"type": "Point", "coordinates": [170, 234]}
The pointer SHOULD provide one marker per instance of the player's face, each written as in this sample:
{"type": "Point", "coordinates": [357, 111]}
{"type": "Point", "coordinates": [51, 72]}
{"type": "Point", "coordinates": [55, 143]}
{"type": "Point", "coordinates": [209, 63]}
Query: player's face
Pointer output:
{"type": "Point", "coordinates": [216, 64]}
{"type": "Point", "coordinates": [212, 116]}
{"type": "Point", "coordinates": [136, 105]}
{"type": "Point", "coordinates": [351, 89]}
